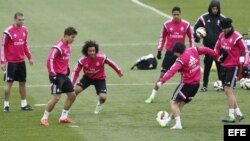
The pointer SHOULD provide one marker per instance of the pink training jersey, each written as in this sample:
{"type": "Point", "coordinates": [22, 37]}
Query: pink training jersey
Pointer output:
{"type": "Point", "coordinates": [94, 67]}
{"type": "Point", "coordinates": [189, 63]}
{"type": "Point", "coordinates": [14, 45]}
{"type": "Point", "coordinates": [235, 46]}
{"type": "Point", "coordinates": [175, 32]}
{"type": "Point", "coordinates": [58, 59]}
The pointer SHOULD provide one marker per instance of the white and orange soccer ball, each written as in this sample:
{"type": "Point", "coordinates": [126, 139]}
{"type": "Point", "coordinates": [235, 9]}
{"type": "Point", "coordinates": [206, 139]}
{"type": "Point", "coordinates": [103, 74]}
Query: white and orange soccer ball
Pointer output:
{"type": "Point", "coordinates": [162, 115]}
{"type": "Point", "coordinates": [201, 32]}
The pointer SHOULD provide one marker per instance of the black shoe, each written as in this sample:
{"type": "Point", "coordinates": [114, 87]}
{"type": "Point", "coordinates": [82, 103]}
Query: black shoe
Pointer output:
{"type": "Point", "coordinates": [203, 89]}
{"type": "Point", "coordinates": [26, 108]}
{"type": "Point", "coordinates": [7, 109]}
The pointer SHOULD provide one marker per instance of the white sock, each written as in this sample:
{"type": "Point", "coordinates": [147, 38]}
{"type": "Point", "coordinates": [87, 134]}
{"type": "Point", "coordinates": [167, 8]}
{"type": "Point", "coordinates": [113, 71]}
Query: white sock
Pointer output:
{"type": "Point", "coordinates": [178, 121]}
{"type": "Point", "coordinates": [6, 103]}
{"type": "Point", "coordinates": [153, 94]}
{"type": "Point", "coordinates": [46, 115]}
{"type": "Point", "coordinates": [237, 111]}
{"type": "Point", "coordinates": [23, 103]}
{"type": "Point", "coordinates": [64, 114]}
{"type": "Point", "coordinates": [166, 121]}
{"type": "Point", "coordinates": [231, 112]}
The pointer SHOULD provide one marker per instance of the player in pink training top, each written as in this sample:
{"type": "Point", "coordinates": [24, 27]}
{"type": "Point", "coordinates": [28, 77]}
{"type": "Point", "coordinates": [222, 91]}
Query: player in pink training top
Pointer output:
{"type": "Point", "coordinates": [14, 48]}
{"type": "Point", "coordinates": [232, 42]}
{"type": "Point", "coordinates": [92, 64]}
{"type": "Point", "coordinates": [58, 68]}
{"type": "Point", "coordinates": [188, 62]}
{"type": "Point", "coordinates": [174, 30]}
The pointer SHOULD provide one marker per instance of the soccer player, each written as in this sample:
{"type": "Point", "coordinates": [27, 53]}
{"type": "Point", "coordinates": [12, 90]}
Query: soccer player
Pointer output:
{"type": "Point", "coordinates": [92, 63]}
{"type": "Point", "coordinates": [233, 44]}
{"type": "Point", "coordinates": [174, 30]}
{"type": "Point", "coordinates": [189, 62]}
{"type": "Point", "coordinates": [58, 68]}
{"type": "Point", "coordinates": [211, 22]}
{"type": "Point", "coordinates": [14, 48]}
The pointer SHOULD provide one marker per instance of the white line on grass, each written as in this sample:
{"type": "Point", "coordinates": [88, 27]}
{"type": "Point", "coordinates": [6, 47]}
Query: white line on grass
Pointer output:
{"type": "Point", "coordinates": [151, 8]}
{"type": "Point", "coordinates": [107, 44]}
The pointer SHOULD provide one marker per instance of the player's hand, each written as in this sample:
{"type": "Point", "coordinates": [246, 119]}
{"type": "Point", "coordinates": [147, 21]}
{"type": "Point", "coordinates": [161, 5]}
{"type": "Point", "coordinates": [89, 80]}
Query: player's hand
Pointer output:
{"type": "Point", "coordinates": [244, 72]}
{"type": "Point", "coordinates": [55, 79]}
{"type": "Point", "coordinates": [120, 74]}
{"type": "Point", "coordinates": [159, 55]}
{"type": "Point", "coordinates": [31, 62]}
{"type": "Point", "coordinates": [3, 67]}
{"type": "Point", "coordinates": [68, 71]}
{"type": "Point", "coordinates": [223, 55]}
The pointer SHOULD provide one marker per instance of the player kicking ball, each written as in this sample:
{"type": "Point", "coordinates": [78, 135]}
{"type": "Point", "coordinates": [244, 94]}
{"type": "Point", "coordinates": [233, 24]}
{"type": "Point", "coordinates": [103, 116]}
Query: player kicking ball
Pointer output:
{"type": "Point", "coordinates": [92, 63]}
{"type": "Point", "coordinates": [189, 62]}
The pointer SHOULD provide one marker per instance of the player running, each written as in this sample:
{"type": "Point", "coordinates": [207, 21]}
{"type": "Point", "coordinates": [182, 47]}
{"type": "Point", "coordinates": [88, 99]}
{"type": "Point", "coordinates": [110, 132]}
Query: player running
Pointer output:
{"type": "Point", "coordinates": [92, 63]}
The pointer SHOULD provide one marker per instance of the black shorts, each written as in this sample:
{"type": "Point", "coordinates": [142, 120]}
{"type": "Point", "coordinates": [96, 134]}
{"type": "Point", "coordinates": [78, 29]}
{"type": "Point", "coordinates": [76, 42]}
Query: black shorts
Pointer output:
{"type": "Point", "coordinates": [185, 92]}
{"type": "Point", "coordinates": [168, 61]}
{"type": "Point", "coordinates": [229, 76]}
{"type": "Point", "coordinates": [64, 85]}
{"type": "Point", "coordinates": [100, 84]}
{"type": "Point", "coordinates": [15, 72]}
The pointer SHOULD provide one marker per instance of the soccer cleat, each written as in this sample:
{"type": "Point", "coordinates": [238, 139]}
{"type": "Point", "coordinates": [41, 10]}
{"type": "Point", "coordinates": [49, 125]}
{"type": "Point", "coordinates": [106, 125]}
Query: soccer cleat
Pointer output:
{"type": "Point", "coordinates": [66, 120]}
{"type": "Point", "coordinates": [44, 122]}
{"type": "Point", "coordinates": [161, 122]}
{"type": "Point", "coordinates": [149, 100]}
{"type": "Point", "coordinates": [239, 118]}
{"type": "Point", "coordinates": [203, 89]}
{"type": "Point", "coordinates": [176, 127]}
{"type": "Point", "coordinates": [6, 109]}
{"type": "Point", "coordinates": [98, 108]}
{"type": "Point", "coordinates": [26, 108]}
{"type": "Point", "coordinates": [229, 119]}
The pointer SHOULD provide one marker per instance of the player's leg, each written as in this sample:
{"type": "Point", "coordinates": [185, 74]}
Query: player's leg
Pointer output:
{"type": "Point", "coordinates": [167, 62]}
{"type": "Point", "coordinates": [9, 76]}
{"type": "Point", "coordinates": [101, 90]}
{"type": "Point", "coordinates": [231, 74]}
{"type": "Point", "coordinates": [67, 88]}
{"type": "Point", "coordinates": [21, 77]}
{"type": "Point", "coordinates": [208, 61]}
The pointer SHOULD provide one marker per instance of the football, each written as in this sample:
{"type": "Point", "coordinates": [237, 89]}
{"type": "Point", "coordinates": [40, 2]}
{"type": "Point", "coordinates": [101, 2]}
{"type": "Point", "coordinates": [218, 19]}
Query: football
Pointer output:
{"type": "Point", "coordinates": [246, 84]}
{"type": "Point", "coordinates": [242, 81]}
{"type": "Point", "coordinates": [218, 85]}
{"type": "Point", "coordinates": [201, 32]}
{"type": "Point", "coordinates": [162, 115]}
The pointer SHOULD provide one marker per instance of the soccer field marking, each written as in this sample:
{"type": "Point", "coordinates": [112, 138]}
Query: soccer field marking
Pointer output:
{"type": "Point", "coordinates": [104, 45]}
{"type": "Point", "coordinates": [111, 84]}
{"type": "Point", "coordinates": [151, 8]}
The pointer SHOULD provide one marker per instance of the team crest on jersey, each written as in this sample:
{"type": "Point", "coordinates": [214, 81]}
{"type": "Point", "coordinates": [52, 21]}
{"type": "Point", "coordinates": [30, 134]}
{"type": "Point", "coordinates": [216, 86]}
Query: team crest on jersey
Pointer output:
{"type": "Point", "coordinates": [192, 61]}
{"type": "Point", "coordinates": [182, 28]}
{"type": "Point", "coordinates": [24, 34]}
{"type": "Point", "coordinates": [208, 20]}
{"type": "Point", "coordinates": [97, 64]}
{"type": "Point", "coordinates": [171, 29]}
{"type": "Point", "coordinates": [218, 22]}
{"type": "Point", "coordinates": [231, 40]}
{"type": "Point", "coordinates": [15, 35]}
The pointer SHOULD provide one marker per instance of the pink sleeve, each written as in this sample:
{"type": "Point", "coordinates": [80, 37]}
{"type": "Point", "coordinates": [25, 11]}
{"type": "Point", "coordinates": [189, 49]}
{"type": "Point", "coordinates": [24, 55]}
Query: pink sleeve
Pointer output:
{"type": "Point", "coordinates": [50, 61]}
{"type": "Point", "coordinates": [113, 65]}
{"type": "Point", "coordinates": [243, 47]}
{"type": "Point", "coordinates": [162, 39]}
{"type": "Point", "coordinates": [190, 36]}
{"type": "Point", "coordinates": [175, 67]}
{"type": "Point", "coordinates": [26, 48]}
{"type": "Point", "coordinates": [208, 51]}
{"type": "Point", "coordinates": [5, 41]}
{"type": "Point", "coordinates": [76, 72]}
